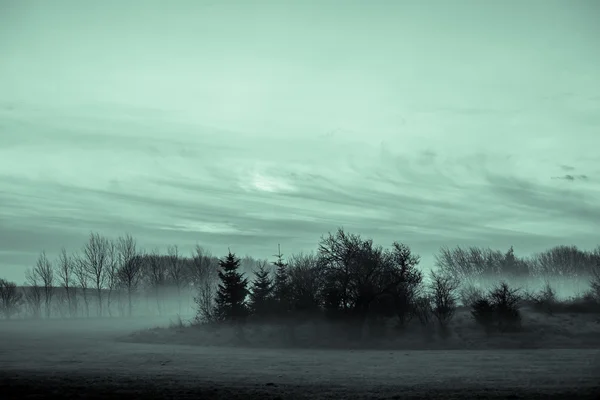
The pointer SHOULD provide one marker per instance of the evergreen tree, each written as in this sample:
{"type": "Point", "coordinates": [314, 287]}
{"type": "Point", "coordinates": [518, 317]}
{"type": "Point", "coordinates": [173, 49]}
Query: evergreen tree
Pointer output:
{"type": "Point", "coordinates": [233, 289]}
{"type": "Point", "coordinates": [281, 284]}
{"type": "Point", "coordinates": [261, 292]}
{"type": "Point", "coordinates": [509, 262]}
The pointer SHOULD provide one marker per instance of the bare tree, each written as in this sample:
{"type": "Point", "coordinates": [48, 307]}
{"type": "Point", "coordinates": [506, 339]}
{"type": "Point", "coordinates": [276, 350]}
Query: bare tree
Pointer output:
{"type": "Point", "coordinates": [176, 271]}
{"type": "Point", "coordinates": [443, 294]}
{"type": "Point", "coordinates": [205, 299]}
{"type": "Point", "coordinates": [563, 261]}
{"type": "Point", "coordinates": [33, 293]}
{"type": "Point", "coordinates": [112, 276]}
{"type": "Point", "coordinates": [306, 282]}
{"type": "Point", "coordinates": [45, 273]}
{"type": "Point", "coordinates": [204, 276]}
{"type": "Point", "coordinates": [83, 279]}
{"type": "Point", "coordinates": [10, 298]}
{"type": "Point", "coordinates": [364, 272]}
{"type": "Point", "coordinates": [129, 271]}
{"type": "Point", "coordinates": [469, 264]}
{"type": "Point", "coordinates": [156, 276]}
{"type": "Point", "coordinates": [204, 267]}
{"type": "Point", "coordinates": [96, 259]}
{"type": "Point", "coordinates": [65, 272]}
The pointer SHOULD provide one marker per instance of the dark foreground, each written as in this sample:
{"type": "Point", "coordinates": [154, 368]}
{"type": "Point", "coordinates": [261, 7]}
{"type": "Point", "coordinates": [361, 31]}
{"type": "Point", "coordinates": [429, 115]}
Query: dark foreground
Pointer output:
{"type": "Point", "coordinates": [30, 385]}
{"type": "Point", "coordinates": [86, 361]}
{"type": "Point", "coordinates": [35, 385]}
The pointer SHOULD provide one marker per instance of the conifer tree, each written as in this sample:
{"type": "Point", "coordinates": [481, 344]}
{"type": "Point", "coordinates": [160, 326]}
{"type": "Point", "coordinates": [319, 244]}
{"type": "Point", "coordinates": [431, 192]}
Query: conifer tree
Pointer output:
{"type": "Point", "coordinates": [281, 284]}
{"type": "Point", "coordinates": [230, 302]}
{"type": "Point", "coordinates": [261, 292]}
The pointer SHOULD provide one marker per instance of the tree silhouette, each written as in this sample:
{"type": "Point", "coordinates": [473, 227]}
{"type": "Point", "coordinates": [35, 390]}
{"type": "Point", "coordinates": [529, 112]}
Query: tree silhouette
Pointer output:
{"type": "Point", "coordinates": [33, 294]}
{"type": "Point", "coordinates": [44, 271]}
{"type": "Point", "coordinates": [66, 278]}
{"type": "Point", "coordinates": [10, 298]}
{"type": "Point", "coordinates": [281, 284]}
{"type": "Point", "coordinates": [261, 292]}
{"type": "Point", "coordinates": [231, 297]}
{"type": "Point", "coordinates": [96, 259]}
{"type": "Point", "coordinates": [129, 267]}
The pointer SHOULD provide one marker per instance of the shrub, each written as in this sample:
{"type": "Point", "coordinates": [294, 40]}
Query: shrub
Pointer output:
{"type": "Point", "coordinates": [468, 295]}
{"type": "Point", "coordinates": [506, 303]}
{"type": "Point", "coordinates": [482, 311]}
{"type": "Point", "coordinates": [582, 304]}
{"type": "Point", "coordinates": [499, 310]}
{"type": "Point", "coordinates": [545, 300]}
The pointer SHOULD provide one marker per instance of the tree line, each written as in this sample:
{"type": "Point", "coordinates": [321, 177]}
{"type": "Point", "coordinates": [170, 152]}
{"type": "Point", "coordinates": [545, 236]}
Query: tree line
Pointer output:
{"type": "Point", "coordinates": [348, 278]}
{"type": "Point", "coordinates": [107, 278]}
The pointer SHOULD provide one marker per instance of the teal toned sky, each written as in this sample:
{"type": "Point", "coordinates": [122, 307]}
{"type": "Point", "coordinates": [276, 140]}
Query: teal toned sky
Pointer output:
{"type": "Point", "coordinates": [251, 123]}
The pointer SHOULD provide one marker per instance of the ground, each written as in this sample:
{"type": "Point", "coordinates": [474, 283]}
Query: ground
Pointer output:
{"type": "Point", "coordinates": [101, 359]}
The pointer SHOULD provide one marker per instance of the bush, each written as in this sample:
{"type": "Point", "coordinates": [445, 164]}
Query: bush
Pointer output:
{"type": "Point", "coordinates": [506, 302]}
{"type": "Point", "coordinates": [499, 310]}
{"type": "Point", "coordinates": [469, 295]}
{"type": "Point", "coordinates": [482, 311]}
{"type": "Point", "coordinates": [544, 301]}
{"type": "Point", "coordinates": [586, 304]}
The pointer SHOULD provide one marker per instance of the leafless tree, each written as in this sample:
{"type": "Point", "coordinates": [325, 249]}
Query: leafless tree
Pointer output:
{"type": "Point", "coordinates": [306, 281]}
{"type": "Point", "coordinates": [83, 279]}
{"type": "Point", "coordinates": [155, 273]}
{"type": "Point", "coordinates": [10, 298]}
{"type": "Point", "coordinates": [33, 293]}
{"type": "Point", "coordinates": [176, 271]}
{"type": "Point", "coordinates": [365, 271]}
{"type": "Point", "coordinates": [204, 276]}
{"type": "Point", "coordinates": [96, 258]}
{"type": "Point", "coordinates": [204, 267]}
{"type": "Point", "coordinates": [563, 261]}
{"type": "Point", "coordinates": [443, 294]}
{"type": "Point", "coordinates": [469, 264]}
{"type": "Point", "coordinates": [65, 273]}
{"type": "Point", "coordinates": [204, 299]}
{"type": "Point", "coordinates": [45, 273]}
{"type": "Point", "coordinates": [129, 272]}
{"type": "Point", "coordinates": [112, 276]}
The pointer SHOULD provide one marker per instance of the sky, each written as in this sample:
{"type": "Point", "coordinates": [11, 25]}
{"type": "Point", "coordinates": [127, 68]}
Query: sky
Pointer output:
{"type": "Point", "coordinates": [244, 124]}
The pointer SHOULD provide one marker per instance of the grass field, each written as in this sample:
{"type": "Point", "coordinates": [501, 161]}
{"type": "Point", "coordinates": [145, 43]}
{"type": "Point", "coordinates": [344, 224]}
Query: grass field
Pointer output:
{"type": "Point", "coordinates": [102, 359]}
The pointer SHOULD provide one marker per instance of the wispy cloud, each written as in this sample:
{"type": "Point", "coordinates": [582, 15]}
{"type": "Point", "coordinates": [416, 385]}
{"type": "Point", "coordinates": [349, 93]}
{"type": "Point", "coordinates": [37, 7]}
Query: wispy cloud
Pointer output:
{"type": "Point", "coordinates": [189, 129]}
{"type": "Point", "coordinates": [227, 195]}
{"type": "Point", "coordinates": [570, 177]}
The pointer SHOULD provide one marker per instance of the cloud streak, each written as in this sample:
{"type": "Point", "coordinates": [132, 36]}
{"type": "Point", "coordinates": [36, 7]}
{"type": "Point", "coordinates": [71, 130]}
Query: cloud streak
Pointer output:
{"type": "Point", "coordinates": [199, 125]}
{"type": "Point", "coordinates": [225, 195]}
{"type": "Point", "coordinates": [570, 177]}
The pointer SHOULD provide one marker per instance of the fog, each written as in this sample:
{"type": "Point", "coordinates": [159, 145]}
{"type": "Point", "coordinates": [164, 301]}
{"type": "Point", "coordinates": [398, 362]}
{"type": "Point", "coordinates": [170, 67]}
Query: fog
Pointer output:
{"type": "Point", "coordinates": [566, 287]}
{"type": "Point", "coordinates": [87, 356]}
{"type": "Point", "coordinates": [150, 342]}
{"type": "Point", "coordinates": [164, 132]}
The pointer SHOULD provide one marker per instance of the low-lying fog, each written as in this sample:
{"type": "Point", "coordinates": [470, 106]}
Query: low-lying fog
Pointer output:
{"type": "Point", "coordinates": [92, 347]}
